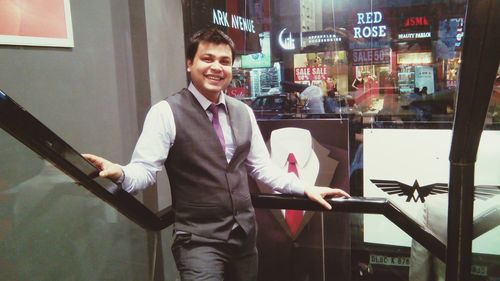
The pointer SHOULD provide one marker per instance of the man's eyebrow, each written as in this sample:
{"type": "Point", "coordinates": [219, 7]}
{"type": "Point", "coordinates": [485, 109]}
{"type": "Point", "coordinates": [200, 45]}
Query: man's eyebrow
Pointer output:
{"type": "Point", "coordinates": [215, 56]}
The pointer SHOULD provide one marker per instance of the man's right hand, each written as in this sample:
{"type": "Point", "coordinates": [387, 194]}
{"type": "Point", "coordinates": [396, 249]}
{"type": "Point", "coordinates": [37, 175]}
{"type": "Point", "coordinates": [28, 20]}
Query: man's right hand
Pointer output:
{"type": "Point", "coordinates": [107, 168]}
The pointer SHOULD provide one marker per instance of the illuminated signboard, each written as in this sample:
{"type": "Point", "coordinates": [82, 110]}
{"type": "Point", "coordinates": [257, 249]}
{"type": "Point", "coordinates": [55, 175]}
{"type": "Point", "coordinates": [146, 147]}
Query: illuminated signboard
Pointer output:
{"type": "Point", "coordinates": [310, 73]}
{"type": "Point", "coordinates": [287, 39]}
{"type": "Point", "coordinates": [415, 21]}
{"type": "Point", "coordinates": [262, 59]}
{"type": "Point", "coordinates": [450, 34]}
{"type": "Point", "coordinates": [321, 38]}
{"type": "Point", "coordinates": [424, 77]}
{"type": "Point", "coordinates": [286, 42]}
{"type": "Point", "coordinates": [414, 58]}
{"type": "Point", "coordinates": [369, 25]}
{"type": "Point", "coordinates": [225, 19]}
{"type": "Point", "coordinates": [235, 18]}
{"type": "Point", "coordinates": [416, 35]}
{"type": "Point", "coordinates": [415, 27]}
{"type": "Point", "coordinates": [371, 56]}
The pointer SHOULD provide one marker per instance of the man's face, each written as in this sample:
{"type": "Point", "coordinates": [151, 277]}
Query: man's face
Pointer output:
{"type": "Point", "coordinates": [211, 69]}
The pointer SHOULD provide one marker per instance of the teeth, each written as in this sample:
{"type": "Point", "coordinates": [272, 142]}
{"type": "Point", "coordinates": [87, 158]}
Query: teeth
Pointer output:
{"type": "Point", "coordinates": [214, 77]}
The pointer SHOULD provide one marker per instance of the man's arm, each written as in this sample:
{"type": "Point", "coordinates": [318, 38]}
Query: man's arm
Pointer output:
{"type": "Point", "coordinates": [149, 154]}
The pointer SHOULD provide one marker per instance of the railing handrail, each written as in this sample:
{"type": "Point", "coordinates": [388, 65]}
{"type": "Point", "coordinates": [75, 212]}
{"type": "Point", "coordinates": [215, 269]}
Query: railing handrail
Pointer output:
{"type": "Point", "coordinates": [31, 132]}
{"type": "Point", "coordinates": [363, 205]}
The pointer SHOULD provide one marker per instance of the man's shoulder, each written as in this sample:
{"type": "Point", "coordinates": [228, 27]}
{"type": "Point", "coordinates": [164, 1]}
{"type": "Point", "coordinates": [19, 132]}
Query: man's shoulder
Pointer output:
{"type": "Point", "coordinates": [238, 104]}
{"type": "Point", "coordinates": [234, 101]}
{"type": "Point", "coordinates": [243, 110]}
{"type": "Point", "coordinates": [177, 95]}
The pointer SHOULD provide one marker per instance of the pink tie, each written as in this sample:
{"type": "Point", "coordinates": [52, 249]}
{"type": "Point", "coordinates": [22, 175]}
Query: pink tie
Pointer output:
{"type": "Point", "coordinates": [293, 217]}
{"type": "Point", "coordinates": [214, 108]}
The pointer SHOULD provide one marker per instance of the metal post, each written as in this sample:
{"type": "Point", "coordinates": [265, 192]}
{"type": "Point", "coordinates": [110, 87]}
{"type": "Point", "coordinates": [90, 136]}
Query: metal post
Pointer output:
{"type": "Point", "coordinates": [480, 59]}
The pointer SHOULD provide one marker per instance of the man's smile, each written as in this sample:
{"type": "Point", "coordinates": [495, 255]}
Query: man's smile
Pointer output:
{"type": "Point", "coordinates": [214, 77]}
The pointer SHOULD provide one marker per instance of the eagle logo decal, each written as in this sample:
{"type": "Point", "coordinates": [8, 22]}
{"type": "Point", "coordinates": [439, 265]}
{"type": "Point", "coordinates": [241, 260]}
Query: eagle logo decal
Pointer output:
{"type": "Point", "coordinates": [482, 192]}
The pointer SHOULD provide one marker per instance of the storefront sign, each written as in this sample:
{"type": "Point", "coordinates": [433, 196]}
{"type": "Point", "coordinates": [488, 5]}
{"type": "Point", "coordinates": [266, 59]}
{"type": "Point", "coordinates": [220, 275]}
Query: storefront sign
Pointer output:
{"type": "Point", "coordinates": [415, 21]}
{"type": "Point", "coordinates": [414, 58]}
{"type": "Point", "coordinates": [424, 77]}
{"type": "Point", "coordinates": [459, 31]}
{"type": "Point", "coordinates": [369, 25]}
{"type": "Point", "coordinates": [309, 73]}
{"type": "Point", "coordinates": [414, 35]}
{"type": "Point", "coordinates": [236, 92]}
{"type": "Point", "coordinates": [286, 42]}
{"type": "Point", "coordinates": [262, 59]}
{"type": "Point", "coordinates": [371, 56]}
{"type": "Point", "coordinates": [287, 39]}
{"type": "Point", "coordinates": [223, 18]}
{"type": "Point", "coordinates": [322, 38]}
{"type": "Point", "coordinates": [369, 44]}
{"type": "Point", "coordinates": [450, 34]}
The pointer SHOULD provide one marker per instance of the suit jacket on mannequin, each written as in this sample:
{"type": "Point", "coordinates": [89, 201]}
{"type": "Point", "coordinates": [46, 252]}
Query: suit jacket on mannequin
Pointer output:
{"type": "Point", "coordinates": [300, 257]}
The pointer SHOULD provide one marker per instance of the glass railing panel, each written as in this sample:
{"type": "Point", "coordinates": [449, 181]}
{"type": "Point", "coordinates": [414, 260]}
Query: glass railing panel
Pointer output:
{"type": "Point", "coordinates": [319, 250]}
{"type": "Point", "coordinates": [485, 246]}
{"type": "Point", "coordinates": [380, 250]}
{"type": "Point", "coordinates": [493, 116]}
{"type": "Point", "coordinates": [368, 249]}
{"type": "Point", "coordinates": [54, 229]}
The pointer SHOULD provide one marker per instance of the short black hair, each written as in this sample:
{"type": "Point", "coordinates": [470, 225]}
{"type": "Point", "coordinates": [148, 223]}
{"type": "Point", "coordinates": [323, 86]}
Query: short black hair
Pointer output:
{"type": "Point", "coordinates": [211, 35]}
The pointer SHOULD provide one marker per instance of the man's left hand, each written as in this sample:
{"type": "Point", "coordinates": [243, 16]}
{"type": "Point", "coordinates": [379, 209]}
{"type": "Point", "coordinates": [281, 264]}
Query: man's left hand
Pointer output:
{"type": "Point", "coordinates": [318, 193]}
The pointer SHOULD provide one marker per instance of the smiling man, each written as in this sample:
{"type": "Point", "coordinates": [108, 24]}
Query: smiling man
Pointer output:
{"type": "Point", "coordinates": [208, 142]}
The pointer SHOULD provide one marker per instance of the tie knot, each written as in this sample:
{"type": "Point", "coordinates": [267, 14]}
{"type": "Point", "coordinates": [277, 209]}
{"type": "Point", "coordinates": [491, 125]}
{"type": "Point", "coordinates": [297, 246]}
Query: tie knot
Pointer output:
{"type": "Point", "coordinates": [214, 108]}
{"type": "Point", "coordinates": [291, 158]}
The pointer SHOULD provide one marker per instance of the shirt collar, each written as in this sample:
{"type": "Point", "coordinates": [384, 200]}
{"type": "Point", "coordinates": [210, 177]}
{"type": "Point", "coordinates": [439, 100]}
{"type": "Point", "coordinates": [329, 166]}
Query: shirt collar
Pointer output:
{"type": "Point", "coordinates": [204, 102]}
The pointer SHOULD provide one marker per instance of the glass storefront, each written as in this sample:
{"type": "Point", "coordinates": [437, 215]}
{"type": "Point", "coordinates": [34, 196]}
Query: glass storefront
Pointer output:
{"type": "Point", "coordinates": [390, 70]}
{"type": "Point", "coordinates": [373, 57]}
{"type": "Point", "coordinates": [367, 95]}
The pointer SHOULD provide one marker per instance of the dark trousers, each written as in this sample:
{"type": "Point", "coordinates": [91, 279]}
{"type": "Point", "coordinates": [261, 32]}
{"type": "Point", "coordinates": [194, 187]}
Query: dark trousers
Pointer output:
{"type": "Point", "coordinates": [199, 258]}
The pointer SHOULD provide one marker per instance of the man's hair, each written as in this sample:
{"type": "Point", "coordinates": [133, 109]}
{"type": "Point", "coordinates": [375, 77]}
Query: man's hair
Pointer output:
{"type": "Point", "coordinates": [210, 35]}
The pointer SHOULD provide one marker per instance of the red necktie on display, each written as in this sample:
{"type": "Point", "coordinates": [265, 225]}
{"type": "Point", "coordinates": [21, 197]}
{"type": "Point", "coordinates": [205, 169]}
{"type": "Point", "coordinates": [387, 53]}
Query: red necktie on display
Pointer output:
{"type": "Point", "coordinates": [293, 217]}
{"type": "Point", "coordinates": [214, 108]}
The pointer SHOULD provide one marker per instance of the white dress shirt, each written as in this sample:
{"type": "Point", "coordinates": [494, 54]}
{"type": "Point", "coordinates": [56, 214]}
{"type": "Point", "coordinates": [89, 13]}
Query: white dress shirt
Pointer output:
{"type": "Point", "coordinates": [158, 136]}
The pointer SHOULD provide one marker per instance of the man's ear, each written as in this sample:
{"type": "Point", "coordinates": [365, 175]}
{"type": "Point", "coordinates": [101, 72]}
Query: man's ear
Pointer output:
{"type": "Point", "coordinates": [189, 63]}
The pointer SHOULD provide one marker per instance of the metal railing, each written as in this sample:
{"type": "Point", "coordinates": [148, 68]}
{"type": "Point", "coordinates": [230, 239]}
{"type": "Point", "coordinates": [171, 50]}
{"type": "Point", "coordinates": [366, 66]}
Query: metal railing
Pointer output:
{"type": "Point", "coordinates": [480, 58]}
{"type": "Point", "coordinates": [31, 132]}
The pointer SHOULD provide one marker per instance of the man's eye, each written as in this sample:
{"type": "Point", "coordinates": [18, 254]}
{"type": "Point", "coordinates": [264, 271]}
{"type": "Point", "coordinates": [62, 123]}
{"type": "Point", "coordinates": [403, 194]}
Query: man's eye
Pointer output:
{"type": "Point", "coordinates": [206, 59]}
{"type": "Point", "coordinates": [225, 62]}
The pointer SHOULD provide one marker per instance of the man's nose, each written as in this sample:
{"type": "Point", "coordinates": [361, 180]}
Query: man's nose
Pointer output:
{"type": "Point", "coordinates": [216, 66]}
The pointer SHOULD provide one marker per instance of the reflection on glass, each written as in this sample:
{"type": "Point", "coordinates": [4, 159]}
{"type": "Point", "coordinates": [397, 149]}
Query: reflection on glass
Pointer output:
{"type": "Point", "coordinates": [53, 229]}
{"type": "Point", "coordinates": [493, 117]}
{"type": "Point", "coordinates": [374, 261]}
{"type": "Point", "coordinates": [367, 57]}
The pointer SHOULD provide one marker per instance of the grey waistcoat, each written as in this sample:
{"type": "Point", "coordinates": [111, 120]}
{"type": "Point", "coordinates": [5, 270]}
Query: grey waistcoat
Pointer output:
{"type": "Point", "coordinates": [209, 195]}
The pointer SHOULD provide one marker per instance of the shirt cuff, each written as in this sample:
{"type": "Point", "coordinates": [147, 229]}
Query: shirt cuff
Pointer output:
{"type": "Point", "coordinates": [122, 177]}
{"type": "Point", "coordinates": [297, 186]}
